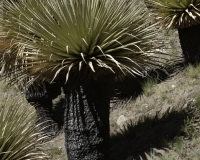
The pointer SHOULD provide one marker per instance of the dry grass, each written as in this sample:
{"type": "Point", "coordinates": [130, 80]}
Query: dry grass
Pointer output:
{"type": "Point", "coordinates": [173, 103]}
{"type": "Point", "coordinates": [163, 122]}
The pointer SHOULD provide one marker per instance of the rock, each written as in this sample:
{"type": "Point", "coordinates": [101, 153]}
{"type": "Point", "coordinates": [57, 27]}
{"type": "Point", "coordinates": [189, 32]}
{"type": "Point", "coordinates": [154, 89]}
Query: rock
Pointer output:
{"type": "Point", "coordinates": [122, 119]}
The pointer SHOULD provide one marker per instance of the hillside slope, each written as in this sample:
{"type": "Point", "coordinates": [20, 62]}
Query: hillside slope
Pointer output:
{"type": "Point", "coordinates": [162, 123]}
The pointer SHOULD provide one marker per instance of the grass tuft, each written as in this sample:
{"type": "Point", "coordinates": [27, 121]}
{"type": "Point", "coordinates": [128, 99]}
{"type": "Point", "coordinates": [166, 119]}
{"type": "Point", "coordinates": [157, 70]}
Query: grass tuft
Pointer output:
{"type": "Point", "coordinates": [147, 87]}
{"type": "Point", "coordinates": [20, 135]}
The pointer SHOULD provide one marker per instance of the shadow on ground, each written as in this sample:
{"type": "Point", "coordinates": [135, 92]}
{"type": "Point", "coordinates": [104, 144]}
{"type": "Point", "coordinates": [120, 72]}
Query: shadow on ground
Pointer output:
{"type": "Point", "coordinates": [131, 87]}
{"type": "Point", "coordinates": [149, 133]}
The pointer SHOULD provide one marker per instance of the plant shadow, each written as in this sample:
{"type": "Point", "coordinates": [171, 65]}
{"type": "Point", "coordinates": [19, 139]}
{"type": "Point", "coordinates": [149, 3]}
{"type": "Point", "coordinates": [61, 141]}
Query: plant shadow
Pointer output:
{"type": "Point", "coordinates": [150, 132]}
{"type": "Point", "coordinates": [131, 87]}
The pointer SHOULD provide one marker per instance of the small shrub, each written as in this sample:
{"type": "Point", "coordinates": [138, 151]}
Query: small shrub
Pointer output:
{"type": "Point", "coordinates": [161, 154]}
{"type": "Point", "coordinates": [19, 132]}
{"type": "Point", "coordinates": [192, 72]}
{"type": "Point", "coordinates": [189, 128]}
{"type": "Point", "coordinates": [147, 87]}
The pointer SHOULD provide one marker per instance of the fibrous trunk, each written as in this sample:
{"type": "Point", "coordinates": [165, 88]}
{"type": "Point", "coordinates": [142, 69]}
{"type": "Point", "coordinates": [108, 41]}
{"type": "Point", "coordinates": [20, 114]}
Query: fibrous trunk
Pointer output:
{"type": "Point", "coordinates": [87, 120]}
{"type": "Point", "coordinates": [41, 98]}
{"type": "Point", "coordinates": [190, 43]}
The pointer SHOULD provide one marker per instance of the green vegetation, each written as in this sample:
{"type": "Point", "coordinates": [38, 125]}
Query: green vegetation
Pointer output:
{"type": "Point", "coordinates": [20, 136]}
{"type": "Point", "coordinates": [192, 72]}
{"type": "Point", "coordinates": [183, 15]}
{"type": "Point", "coordinates": [85, 46]}
{"type": "Point", "coordinates": [162, 129]}
{"type": "Point", "coordinates": [185, 96]}
{"type": "Point", "coordinates": [147, 87]}
{"type": "Point", "coordinates": [176, 13]}
{"type": "Point", "coordinates": [198, 101]}
{"type": "Point", "coordinates": [163, 123]}
{"type": "Point", "coordinates": [80, 39]}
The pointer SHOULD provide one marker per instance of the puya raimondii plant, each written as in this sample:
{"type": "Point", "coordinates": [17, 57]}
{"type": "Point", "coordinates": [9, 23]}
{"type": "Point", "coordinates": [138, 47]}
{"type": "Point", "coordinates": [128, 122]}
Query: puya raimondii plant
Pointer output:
{"type": "Point", "coordinates": [183, 15]}
{"type": "Point", "coordinates": [85, 45]}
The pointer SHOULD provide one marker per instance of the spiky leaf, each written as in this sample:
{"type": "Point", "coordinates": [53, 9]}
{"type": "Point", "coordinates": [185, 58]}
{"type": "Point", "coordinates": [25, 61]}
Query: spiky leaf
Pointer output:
{"type": "Point", "coordinates": [176, 13]}
{"type": "Point", "coordinates": [19, 133]}
{"type": "Point", "coordinates": [79, 39]}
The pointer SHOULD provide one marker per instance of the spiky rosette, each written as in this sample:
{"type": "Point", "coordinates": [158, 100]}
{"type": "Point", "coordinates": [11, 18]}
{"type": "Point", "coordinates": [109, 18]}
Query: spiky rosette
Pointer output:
{"type": "Point", "coordinates": [176, 13]}
{"type": "Point", "coordinates": [79, 39]}
{"type": "Point", "coordinates": [8, 55]}
{"type": "Point", "coordinates": [21, 135]}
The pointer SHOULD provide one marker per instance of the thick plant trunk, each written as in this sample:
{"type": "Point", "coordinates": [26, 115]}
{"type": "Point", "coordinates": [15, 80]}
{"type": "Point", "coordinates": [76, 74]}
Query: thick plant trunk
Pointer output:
{"type": "Point", "coordinates": [41, 98]}
{"type": "Point", "coordinates": [87, 130]}
{"type": "Point", "coordinates": [190, 43]}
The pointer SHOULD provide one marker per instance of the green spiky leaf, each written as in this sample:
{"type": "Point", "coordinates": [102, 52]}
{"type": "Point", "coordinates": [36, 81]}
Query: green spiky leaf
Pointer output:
{"type": "Point", "coordinates": [19, 132]}
{"type": "Point", "coordinates": [176, 13]}
{"type": "Point", "coordinates": [78, 39]}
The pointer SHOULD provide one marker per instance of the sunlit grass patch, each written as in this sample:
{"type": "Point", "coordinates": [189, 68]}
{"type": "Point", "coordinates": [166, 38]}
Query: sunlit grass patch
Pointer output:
{"type": "Point", "coordinates": [148, 86]}
{"type": "Point", "coordinates": [192, 72]}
